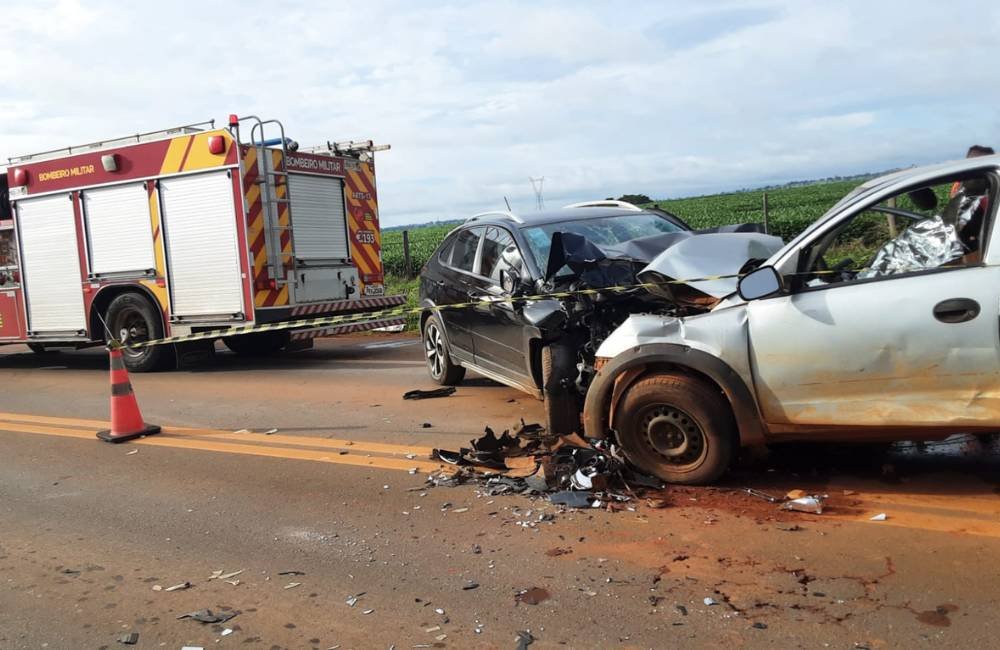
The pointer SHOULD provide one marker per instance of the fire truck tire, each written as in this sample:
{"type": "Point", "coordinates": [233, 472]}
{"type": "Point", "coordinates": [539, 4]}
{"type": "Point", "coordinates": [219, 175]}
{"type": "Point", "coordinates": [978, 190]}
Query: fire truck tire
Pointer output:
{"type": "Point", "coordinates": [259, 344]}
{"type": "Point", "coordinates": [39, 348]}
{"type": "Point", "coordinates": [131, 317]}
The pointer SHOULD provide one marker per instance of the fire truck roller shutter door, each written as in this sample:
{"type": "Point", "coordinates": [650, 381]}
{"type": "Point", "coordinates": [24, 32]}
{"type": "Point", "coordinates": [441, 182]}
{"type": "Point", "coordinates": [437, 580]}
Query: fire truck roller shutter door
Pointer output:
{"type": "Point", "coordinates": [203, 256]}
{"type": "Point", "coordinates": [318, 218]}
{"type": "Point", "coordinates": [51, 263]}
{"type": "Point", "coordinates": [119, 229]}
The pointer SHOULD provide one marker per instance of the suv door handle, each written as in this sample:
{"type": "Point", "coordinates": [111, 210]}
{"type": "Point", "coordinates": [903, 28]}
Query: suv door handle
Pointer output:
{"type": "Point", "coordinates": [956, 310]}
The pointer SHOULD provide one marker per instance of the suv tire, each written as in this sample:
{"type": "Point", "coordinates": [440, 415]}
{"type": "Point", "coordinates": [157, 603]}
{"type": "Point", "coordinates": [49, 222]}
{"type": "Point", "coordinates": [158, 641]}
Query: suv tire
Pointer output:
{"type": "Point", "coordinates": [439, 364]}
{"type": "Point", "coordinates": [676, 427]}
{"type": "Point", "coordinates": [562, 408]}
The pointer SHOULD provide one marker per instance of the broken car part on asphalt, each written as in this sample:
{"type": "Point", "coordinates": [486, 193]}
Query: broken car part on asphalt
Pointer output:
{"type": "Point", "coordinates": [429, 394]}
{"type": "Point", "coordinates": [574, 472]}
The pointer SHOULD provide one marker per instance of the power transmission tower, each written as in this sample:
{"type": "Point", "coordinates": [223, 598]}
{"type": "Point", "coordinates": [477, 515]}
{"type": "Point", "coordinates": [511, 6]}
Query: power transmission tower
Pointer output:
{"type": "Point", "coordinates": [536, 184]}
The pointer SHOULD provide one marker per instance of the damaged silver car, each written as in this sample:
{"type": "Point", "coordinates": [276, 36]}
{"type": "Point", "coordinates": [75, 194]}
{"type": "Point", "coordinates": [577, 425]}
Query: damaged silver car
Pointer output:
{"type": "Point", "coordinates": [879, 322]}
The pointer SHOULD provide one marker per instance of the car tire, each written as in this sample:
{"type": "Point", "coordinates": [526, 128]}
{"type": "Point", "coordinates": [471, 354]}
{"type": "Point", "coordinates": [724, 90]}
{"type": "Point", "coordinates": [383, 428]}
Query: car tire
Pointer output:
{"type": "Point", "coordinates": [439, 364]}
{"type": "Point", "coordinates": [562, 407]}
{"type": "Point", "coordinates": [131, 317]}
{"type": "Point", "coordinates": [257, 344]}
{"type": "Point", "coordinates": [677, 428]}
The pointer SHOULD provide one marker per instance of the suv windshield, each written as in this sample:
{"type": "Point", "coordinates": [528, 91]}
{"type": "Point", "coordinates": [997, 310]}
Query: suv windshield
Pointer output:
{"type": "Point", "coordinates": [606, 231]}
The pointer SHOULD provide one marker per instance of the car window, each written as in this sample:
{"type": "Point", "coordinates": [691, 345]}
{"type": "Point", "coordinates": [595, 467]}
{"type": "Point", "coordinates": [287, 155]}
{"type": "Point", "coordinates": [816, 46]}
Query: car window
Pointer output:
{"type": "Point", "coordinates": [497, 242]}
{"type": "Point", "coordinates": [936, 226]}
{"type": "Point", "coordinates": [444, 252]}
{"type": "Point", "coordinates": [604, 231]}
{"type": "Point", "coordinates": [463, 256]}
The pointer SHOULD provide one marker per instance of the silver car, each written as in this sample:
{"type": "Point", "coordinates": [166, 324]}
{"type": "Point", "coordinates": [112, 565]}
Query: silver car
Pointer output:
{"type": "Point", "coordinates": [879, 322]}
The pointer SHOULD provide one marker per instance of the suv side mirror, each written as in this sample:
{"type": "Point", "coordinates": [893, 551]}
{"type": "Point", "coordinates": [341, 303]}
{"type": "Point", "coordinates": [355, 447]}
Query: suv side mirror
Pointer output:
{"type": "Point", "coordinates": [760, 283]}
{"type": "Point", "coordinates": [510, 281]}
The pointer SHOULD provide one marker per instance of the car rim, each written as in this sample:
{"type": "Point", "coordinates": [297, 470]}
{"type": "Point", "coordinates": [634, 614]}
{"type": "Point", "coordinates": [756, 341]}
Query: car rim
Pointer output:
{"type": "Point", "coordinates": [132, 328]}
{"type": "Point", "coordinates": [673, 435]}
{"type": "Point", "coordinates": [434, 347]}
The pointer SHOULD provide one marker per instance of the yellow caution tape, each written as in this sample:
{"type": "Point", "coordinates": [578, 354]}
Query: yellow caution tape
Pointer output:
{"type": "Point", "coordinates": [346, 319]}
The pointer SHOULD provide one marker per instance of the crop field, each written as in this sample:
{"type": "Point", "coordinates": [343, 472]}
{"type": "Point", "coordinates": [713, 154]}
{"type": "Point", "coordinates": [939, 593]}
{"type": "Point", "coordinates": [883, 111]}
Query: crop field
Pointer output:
{"type": "Point", "coordinates": [790, 210]}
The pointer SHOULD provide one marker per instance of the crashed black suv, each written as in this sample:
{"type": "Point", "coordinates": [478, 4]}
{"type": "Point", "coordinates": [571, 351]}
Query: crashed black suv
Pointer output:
{"type": "Point", "coordinates": [546, 347]}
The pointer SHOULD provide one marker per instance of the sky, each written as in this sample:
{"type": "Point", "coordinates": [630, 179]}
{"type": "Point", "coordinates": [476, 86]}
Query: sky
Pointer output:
{"type": "Point", "coordinates": [601, 99]}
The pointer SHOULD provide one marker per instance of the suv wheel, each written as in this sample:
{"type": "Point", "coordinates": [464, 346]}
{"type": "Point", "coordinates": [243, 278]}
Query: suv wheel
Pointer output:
{"type": "Point", "coordinates": [677, 428]}
{"type": "Point", "coordinates": [439, 363]}
{"type": "Point", "coordinates": [562, 409]}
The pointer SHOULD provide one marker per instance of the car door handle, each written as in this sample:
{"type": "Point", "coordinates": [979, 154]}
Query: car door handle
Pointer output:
{"type": "Point", "coordinates": [956, 310]}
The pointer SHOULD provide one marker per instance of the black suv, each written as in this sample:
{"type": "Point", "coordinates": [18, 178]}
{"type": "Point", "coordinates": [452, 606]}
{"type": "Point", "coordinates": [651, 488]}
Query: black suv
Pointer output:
{"type": "Point", "coordinates": [543, 347]}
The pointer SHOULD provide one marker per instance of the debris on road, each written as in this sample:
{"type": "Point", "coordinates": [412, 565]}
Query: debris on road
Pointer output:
{"type": "Point", "coordinates": [573, 471]}
{"type": "Point", "coordinates": [178, 587]}
{"type": "Point", "coordinates": [206, 616]}
{"type": "Point", "coordinates": [524, 639]}
{"type": "Point", "coordinates": [426, 425]}
{"type": "Point", "coordinates": [810, 504]}
{"type": "Point", "coordinates": [710, 601]}
{"type": "Point", "coordinates": [227, 631]}
{"type": "Point", "coordinates": [130, 453]}
{"type": "Point", "coordinates": [469, 585]}
{"type": "Point", "coordinates": [429, 394]}
{"type": "Point", "coordinates": [221, 575]}
{"type": "Point", "coordinates": [353, 600]}
{"type": "Point", "coordinates": [291, 573]}
{"type": "Point", "coordinates": [880, 517]}
{"type": "Point", "coordinates": [796, 494]}
{"type": "Point", "coordinates": [292, 585]}
{"type": "Point", "coordinates": [270, 432]}
{"type": "Point", "coordinates": [762, 495]}
{"type": "Point", "coordinates": [130, 638]}
{"type": "Point", "coordinates": [532, 596]}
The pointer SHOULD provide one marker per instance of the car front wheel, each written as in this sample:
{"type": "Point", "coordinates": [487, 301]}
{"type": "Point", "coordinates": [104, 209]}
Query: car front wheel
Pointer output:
{"type": "Point", "coordinates": [676, 427]}
{"type": "Point", "coordinates": [439, 364]}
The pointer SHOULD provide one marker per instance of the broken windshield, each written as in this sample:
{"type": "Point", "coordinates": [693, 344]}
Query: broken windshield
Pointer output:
{"type": "Point", "coordinates": [604, 231]}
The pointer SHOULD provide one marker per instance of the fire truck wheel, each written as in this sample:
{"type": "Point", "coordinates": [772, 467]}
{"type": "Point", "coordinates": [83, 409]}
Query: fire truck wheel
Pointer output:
{"type": "Point", "coordinates": [259, 344]}
{"type": "Point", "coordinates": [132, 318]}
{"type": "Point", "coordinates": [439, 364]}
{"type": "Point", "coordinates": [39, 348]}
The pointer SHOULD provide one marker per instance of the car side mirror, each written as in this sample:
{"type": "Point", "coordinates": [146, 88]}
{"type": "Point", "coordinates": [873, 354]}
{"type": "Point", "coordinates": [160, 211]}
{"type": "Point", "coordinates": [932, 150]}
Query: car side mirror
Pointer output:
{"type": "Point", "coordinates": [510, 281]}
{"type": "Point", "coordinates": [760, 283]}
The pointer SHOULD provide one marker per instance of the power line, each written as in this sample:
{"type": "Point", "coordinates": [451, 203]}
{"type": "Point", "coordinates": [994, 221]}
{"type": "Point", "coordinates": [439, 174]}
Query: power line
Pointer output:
{"type": "Point", "coordinates": [536, 184]}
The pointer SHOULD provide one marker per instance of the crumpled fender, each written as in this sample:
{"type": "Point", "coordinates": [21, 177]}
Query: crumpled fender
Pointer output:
{"type": "Point", "coordinates": [599, 404]}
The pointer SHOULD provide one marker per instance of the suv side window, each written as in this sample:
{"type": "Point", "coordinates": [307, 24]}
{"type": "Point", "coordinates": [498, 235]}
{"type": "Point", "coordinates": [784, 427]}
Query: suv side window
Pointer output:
{"type": "Point", "coordinates": [444, 254]}
{"type": "Point", "coordinates": [463, 255]}
{"type": "Point", "coordinates": [496, 242]}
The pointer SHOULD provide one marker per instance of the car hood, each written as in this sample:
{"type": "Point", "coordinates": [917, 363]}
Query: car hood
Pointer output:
{"type": "Point", "coordinates": [702, 255]}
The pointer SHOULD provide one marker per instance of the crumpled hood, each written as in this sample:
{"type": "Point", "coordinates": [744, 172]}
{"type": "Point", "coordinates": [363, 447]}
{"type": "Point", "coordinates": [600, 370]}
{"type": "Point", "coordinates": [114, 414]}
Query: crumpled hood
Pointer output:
{"type": "Point", "coordinates": [699, 255]}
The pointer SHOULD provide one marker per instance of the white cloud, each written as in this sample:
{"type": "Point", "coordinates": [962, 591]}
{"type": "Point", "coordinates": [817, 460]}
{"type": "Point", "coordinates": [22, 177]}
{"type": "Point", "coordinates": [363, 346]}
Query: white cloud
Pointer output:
{"type": "Point", "coordinates": [601, 98]}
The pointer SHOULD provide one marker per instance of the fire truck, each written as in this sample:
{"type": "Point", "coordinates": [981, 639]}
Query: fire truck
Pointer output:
{"type": "Point", "coordinates": [186, 230]}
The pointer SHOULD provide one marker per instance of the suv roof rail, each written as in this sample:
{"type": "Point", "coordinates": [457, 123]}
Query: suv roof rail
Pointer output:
{"type": "Point", "coordinates": [608, 203]}
{"type": "Point", "coordinates": [504, 214]}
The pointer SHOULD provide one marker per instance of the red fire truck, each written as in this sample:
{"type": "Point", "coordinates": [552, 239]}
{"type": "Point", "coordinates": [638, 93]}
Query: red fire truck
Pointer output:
{"type": "Point", "coordinates": [184, 230]}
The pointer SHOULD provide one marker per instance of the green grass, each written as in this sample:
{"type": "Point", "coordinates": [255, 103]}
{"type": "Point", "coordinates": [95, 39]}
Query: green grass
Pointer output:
{"type": "Point", "coordinates": [396, 285]}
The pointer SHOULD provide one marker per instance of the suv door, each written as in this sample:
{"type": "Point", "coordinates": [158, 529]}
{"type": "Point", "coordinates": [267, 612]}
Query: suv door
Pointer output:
{"type": "Point", "coordinates": [454, 287]}
{"type": "Point", "coordinates": [498, 332]}
{"type": "Point", "coordinates": [917, 347]}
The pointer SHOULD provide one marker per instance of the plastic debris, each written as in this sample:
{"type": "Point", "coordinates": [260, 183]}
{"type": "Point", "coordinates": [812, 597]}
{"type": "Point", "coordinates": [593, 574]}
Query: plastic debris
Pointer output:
{"type": "Point", "coordinates": [469, 585]}
{"type": "Point", "coordinates": [710, 601]}
{"type": "Point", "coordinates": [291, 573]}
{"type": "Point", "coordinates": [270, 432]}
{"type": "Point", "coordinates": [130, 638]}
{"type": "Point", "coordinates": [524, 639]}
{"type": "Point", "coordinates": [429, 394]}
{"type": "Point", "coordinates": [880, 517]}
{"type": "Point", "coordinates": [192, 647]}
{"type": "Point", "coordinates": [571, 499]}
{"type": "Point", "coordinates": [220, 575]}
{"type": "Point", "coordinates": [368, 611]}
{"type": "Point", "coordinates": [292, 585]}
{"type": "Point", "coordinates": [183, 585]}
{"type": "Point", "coordinates": [226, 632]}
{"type": "Point", "coordinates": [206, 616]}
{"type": "Point", "coordinates": [796, 494]}
{"type": "Point", "coordinates": [811, 504]}
{"type": "Point", "coordinates": [129, 453]}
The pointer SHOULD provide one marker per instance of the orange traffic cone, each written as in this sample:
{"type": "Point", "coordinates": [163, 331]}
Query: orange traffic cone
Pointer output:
{"type": "Point", "coordinates": [126, 420]}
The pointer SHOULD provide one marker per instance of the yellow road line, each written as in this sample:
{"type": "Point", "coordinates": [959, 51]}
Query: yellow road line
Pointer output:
{"type": "Point", "coordinates": [331, 443]}
{"type": "Point", "coordinates": [186, 442]}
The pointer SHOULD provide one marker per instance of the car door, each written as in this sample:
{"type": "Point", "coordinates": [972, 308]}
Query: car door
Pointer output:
{"type": "Point", "coordinates": [914, 349]}
{"type": "Point", "coordinates": [498, 331]}
{"type": "Point", "coordinates": [453, 287]}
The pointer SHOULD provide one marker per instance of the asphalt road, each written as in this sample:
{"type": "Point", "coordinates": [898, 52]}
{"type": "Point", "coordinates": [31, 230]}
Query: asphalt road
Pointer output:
{"type": "Point", "coordinates": [92, 534]}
